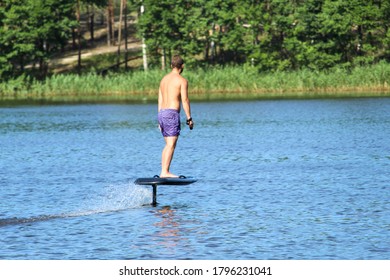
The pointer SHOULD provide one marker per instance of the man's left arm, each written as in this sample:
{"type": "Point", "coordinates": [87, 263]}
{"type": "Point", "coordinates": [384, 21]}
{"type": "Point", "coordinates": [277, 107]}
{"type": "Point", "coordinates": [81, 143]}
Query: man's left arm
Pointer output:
{"type": "Point", "coordinates": [160, 97]}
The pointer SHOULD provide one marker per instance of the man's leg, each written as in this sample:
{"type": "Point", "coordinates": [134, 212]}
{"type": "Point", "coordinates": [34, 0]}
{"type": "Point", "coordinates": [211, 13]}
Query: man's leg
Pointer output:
{"type": "Point", "coordinates": [167, 155]}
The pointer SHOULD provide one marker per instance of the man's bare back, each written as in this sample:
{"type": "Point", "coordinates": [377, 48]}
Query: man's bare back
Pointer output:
{"type": "Point", "coordinates": [173, 89]}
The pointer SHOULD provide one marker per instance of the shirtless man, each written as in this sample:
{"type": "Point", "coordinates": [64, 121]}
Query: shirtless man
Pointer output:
{"type": "Point", "coordinates": [173, 89]}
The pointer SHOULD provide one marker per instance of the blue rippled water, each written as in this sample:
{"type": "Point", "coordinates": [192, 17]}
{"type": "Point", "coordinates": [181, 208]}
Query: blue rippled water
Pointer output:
{"type": "Point", "coordinates": [303, 179]}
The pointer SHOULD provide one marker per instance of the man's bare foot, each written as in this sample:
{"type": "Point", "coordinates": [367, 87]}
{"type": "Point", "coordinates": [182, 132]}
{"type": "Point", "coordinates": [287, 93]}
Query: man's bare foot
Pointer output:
{"type": "Point", "coordinates": [168, 175]}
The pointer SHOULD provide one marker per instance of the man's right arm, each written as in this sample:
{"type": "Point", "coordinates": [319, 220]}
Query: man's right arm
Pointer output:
{"type": "Point", "coordinates": [186, 102]}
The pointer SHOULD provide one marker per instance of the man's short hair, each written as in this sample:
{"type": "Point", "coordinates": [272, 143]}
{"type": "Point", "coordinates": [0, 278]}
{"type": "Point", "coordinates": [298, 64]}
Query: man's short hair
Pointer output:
{"type": "Point", "coordinates": [177, 61]}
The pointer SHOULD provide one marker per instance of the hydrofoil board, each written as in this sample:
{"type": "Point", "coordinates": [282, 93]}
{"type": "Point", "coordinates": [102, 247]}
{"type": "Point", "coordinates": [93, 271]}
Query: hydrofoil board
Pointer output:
{"type": "Point", "coordinates": [156, 180]}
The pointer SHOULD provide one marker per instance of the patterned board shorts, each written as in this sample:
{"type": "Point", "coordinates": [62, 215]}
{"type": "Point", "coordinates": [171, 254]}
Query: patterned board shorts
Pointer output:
{"type": "Point", "coordinates": [169, 121]}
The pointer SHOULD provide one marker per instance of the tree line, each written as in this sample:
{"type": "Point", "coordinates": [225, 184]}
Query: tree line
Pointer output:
{"type": "Point", "coordinates": [271, 35]}
{"type": "Point", "coordinates": [32, 31]}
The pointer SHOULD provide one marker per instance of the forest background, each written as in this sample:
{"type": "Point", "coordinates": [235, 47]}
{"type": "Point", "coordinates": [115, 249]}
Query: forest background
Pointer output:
{"type": "Point", "coordinates": [233, 49]}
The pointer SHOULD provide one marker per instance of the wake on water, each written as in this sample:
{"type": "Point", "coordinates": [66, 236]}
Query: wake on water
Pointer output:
{"type": "Point", "coordinates": [120, 197]}
{"type": "Point", "coordinates": [113, 198]}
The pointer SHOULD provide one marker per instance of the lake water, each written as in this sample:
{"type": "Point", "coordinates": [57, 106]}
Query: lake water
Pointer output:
{"type": "Point", "coordinates": [303, 179]}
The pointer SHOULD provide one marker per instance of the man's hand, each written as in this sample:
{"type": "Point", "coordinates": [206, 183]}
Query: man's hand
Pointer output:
{"type": "Point", "coordinates": [190, 123]}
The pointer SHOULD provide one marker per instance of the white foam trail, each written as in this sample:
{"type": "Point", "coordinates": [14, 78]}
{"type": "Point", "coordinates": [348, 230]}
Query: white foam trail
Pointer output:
{"type": "Point", "coordinates": [120, 197]}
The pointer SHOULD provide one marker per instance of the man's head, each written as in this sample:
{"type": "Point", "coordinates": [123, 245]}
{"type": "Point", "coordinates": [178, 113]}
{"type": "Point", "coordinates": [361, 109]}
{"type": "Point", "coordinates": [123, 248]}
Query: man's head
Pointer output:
{"type": "Point", "coordinates": [177, 62]}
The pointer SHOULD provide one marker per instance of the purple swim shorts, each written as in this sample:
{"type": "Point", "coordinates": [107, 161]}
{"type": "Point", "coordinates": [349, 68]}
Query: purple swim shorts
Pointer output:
{"type": "Point", "coordinates": [169, 121]}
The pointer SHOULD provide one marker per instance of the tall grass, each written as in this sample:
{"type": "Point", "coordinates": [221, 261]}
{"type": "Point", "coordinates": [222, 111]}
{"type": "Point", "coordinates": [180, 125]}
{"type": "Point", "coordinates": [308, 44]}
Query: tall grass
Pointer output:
{"type": "Point", "coordinates": [206, 84]}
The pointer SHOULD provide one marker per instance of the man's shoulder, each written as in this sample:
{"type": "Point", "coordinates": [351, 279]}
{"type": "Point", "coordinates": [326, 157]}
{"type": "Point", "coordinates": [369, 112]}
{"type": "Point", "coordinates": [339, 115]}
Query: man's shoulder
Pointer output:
{"type": "Point", "coordinates": [174, 78]}
{"type": "Point", "coordinates": [184, 80]}
{"type": "Point", "coordinates": [166, 79]}
{"type": "Point", "coordinates": [178, 78]}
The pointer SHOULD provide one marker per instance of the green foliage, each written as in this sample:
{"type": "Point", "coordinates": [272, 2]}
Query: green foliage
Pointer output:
{"type": "Point", "coordinates": [274, 35]}
{"type": "Point", "coordinates": [271, 35]}
{"type": "Point", "coordinates": [32, 30]}
{"type": "Point", "coordinates": [210, 83]}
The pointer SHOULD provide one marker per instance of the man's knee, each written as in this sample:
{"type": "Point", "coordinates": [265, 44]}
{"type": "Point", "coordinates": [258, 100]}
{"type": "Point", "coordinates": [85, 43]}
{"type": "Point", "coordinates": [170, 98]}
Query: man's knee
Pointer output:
{"type": "Point", "coordinates": [171, 142]}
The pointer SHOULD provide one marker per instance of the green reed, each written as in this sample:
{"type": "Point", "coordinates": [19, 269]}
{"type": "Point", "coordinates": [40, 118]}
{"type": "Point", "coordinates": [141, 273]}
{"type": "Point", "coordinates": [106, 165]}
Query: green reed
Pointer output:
{"type": "Point", "coordinates": [212, 83]}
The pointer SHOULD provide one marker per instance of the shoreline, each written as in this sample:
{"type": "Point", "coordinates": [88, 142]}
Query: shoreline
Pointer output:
{"type": "Point", "coordinates": [146, 97]}
{"type": "Point", "coordinates": [218, 83]}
